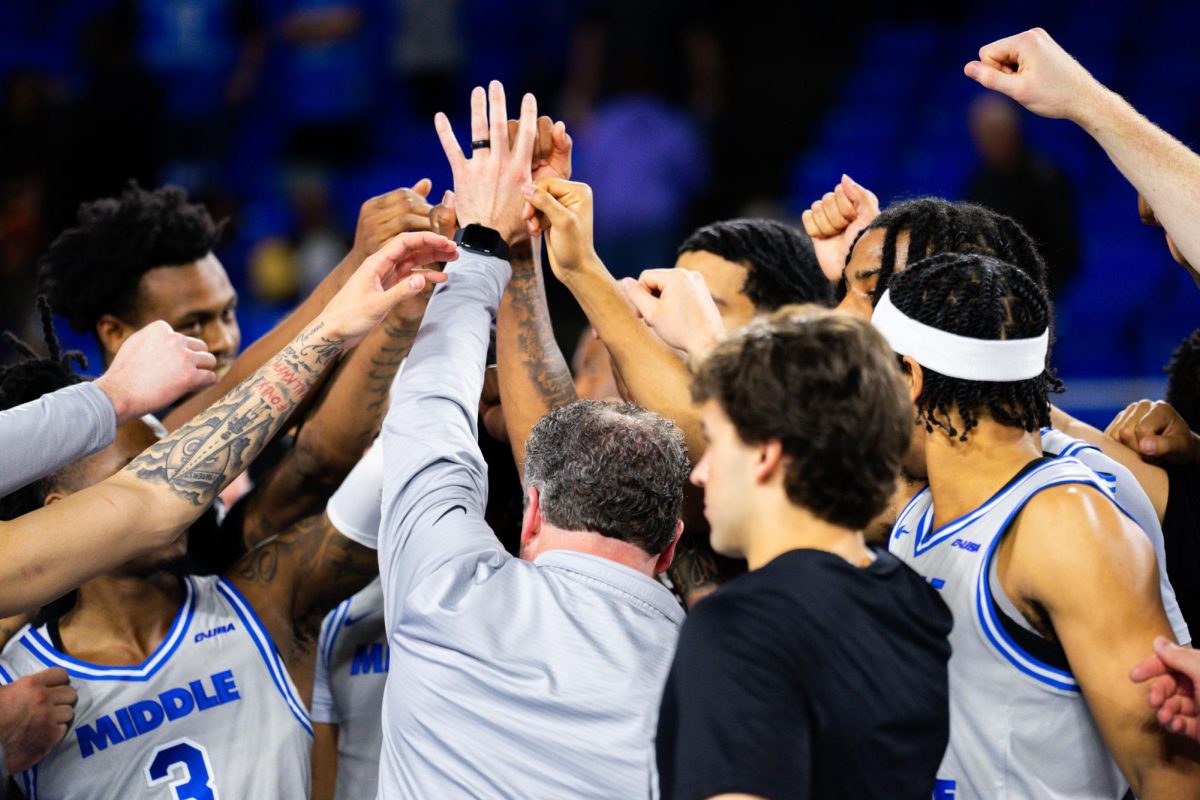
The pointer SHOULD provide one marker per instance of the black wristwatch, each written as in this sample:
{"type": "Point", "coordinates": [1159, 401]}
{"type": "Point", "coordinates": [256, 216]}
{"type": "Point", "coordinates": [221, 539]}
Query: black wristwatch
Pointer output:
{"type": "Point", "coordinates": [486, 241]}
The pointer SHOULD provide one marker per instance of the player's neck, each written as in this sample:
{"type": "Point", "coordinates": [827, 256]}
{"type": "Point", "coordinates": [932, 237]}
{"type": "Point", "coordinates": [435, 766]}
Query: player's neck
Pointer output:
{"type": "Point", "coordinates": [120, 620]}
{"type": "Point", "coordinates": [780, 526]}
{"type": "Point", "coordinates": [964, 475]}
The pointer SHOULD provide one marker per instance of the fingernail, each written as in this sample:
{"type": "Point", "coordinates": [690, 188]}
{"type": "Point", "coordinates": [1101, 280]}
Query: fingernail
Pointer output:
{"type": "Point", "coordinates": [416, 281]}
{"type": "Point", "coordinates": [1149, 446]}
{"type": "Point", "coordinates": [528, 190]}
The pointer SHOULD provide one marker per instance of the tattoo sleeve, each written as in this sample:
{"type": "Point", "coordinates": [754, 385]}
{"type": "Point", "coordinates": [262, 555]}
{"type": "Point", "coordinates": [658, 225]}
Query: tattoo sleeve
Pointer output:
{"type": "Point", "coordinates": [534, 377]}
{"type": "Point", "coordinates": [295, 578]}
{"type": "Point", "coordinates": [341, 424]}
{"type": "Point", "coordinates": [196, 461]}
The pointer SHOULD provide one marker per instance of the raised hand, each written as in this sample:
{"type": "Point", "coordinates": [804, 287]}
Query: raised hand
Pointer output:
{"type": "Point", "coordinates": [154, 368]}
{"type": "Point", "coordinates": [677, 305]}
{"type": "Point", "coordinates": [1156, 431]}
{"type": "Point", "coordinates": [564, 210]}
{"type": "Point", "coordinates": [488, 185]}
{"type": "Point", "coordinates": [551, 159]}
{"type": "Point", "coordinates": [34, 714]}
{"type": "Point", "coordinates": [1034, 70]}
{"type": "Point", "coordinates": [398, 211]}
{"type": "Point", "coordinates": [385, 279]}
{"type": "Point", "coordinates": [1174, 673]}
{"type": "Point", "coordinates": [835, 220]}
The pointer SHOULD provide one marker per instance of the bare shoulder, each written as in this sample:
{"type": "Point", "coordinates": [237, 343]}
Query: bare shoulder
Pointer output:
{"type": "Point", "coordinates": [1072, 537]}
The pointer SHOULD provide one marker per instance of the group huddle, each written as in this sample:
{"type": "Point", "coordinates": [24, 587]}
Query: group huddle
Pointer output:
{"type": "Point", "coordinates": [841, 604]}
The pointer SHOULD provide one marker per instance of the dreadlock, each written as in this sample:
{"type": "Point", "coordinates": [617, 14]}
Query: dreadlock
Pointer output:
{"type": "Point", "coordinates": [937, 226]}
{"type": "Point", "coordinates": [1183, 379]}
{"type": "Point", "coordinates": [782, 267]}
{"type": "Point", "coordinates": [94, 269]}
{"type": "Point", "coordinates": [984, 298]}
{"type": "Point", "coordinates": [25, 382]}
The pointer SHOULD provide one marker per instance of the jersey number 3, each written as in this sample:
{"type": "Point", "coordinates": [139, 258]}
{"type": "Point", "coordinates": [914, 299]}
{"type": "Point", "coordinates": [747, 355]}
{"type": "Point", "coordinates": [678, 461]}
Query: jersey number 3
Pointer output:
{"type": "Point", "coordinates": [185, 764]}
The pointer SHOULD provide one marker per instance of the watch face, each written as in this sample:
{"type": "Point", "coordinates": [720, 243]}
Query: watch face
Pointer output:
{"type": "Point", "coordinates": [481, 238]}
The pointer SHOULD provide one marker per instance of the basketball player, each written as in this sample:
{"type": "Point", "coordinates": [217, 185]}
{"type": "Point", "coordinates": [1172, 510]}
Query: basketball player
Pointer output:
{"type": "Point", "coordinates": [1054, 589]}
{"type": "Point", "coordinates": [352, 654]}
{"type": "Point", "coordinates": [184, 689]}
{"type": "Point", "coordinates": [912, 229]}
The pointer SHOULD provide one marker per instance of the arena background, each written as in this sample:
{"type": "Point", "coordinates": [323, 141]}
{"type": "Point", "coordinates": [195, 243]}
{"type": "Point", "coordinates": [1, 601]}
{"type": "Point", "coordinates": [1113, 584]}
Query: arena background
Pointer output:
{"type": "Point", "coordinates": [283, 115]}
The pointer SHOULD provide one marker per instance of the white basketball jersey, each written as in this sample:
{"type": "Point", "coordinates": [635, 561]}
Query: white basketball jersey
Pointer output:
{"type": "Point", "coordinates": [1131, 497]}
{"type": "Point", "coordinates": [211, 715]}
{"type": "Point", "coordinates": [1019, 725]}
{"type": "Point", "coordinates": [352, 668]}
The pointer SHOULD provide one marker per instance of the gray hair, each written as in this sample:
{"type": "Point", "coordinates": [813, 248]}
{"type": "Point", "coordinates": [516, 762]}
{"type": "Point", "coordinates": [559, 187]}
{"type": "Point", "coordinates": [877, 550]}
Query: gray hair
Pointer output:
{"type": "Point", "coordinates": [613, 468]}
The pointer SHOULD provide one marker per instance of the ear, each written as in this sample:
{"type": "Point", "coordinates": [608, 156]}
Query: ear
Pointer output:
{"type": "Point", "coordinates": [667, 556]}
{"type": "Point", "coordinates": [54, 496]}
{"type": "Point", "coordinates": [770, 457]}
{"type": "Point", "coordinates": [914, 376]}
{"type": "Point", "coordinates": [112, 333]}
{"type": "Point", "coordinates": [531, 521]}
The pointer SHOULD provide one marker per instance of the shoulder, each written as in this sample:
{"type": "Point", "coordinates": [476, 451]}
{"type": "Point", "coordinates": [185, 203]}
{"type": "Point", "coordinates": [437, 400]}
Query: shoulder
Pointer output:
{"type": "Point", "coordinates": [1074, 533]}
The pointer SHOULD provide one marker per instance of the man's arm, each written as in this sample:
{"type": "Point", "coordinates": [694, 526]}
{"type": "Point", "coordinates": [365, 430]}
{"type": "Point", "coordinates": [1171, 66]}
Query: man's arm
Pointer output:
{"type": "Point", "coordinates": [343, 421]}
{"type": "Point", "coordinates": [433, 469]}
{"type": "Point", "coordinates": [534, 377]}
{"type": "Point", "coordinates": [155, 367]}
{"type": "Point", "coordinates": [1093, 571]}
{"type": "Point", "coordinates": [1034, 70]}
{"type": "Point", "coordinates": [167, 487]}
{"type": "Point", "coordinates": [1152, 478]}
{"type": "Point", "coordinates": [379, 220]}
{"type": "Point", "coordinates": [657, 376]}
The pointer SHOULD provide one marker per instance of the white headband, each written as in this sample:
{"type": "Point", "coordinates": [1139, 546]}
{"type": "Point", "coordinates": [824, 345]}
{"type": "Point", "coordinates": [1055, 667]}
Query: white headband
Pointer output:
{"type": "Point", "coordinates": [990, 360]}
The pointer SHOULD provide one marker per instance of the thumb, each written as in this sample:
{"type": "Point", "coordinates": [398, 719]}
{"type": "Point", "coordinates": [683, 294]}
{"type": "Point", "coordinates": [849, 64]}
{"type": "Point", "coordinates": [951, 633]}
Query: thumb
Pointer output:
{"type": "Point", "coordinates": [640, 296]}
{"type": "Point", "coordinates": [548, 205]}
{"type": "Point", "coordinates": [1157, 446]}
{"type": "Point", "coordinates": [406, 287]}
{"type": "Point", "coordinates": [1180, 659]}
{"type": "Point", "coordinates": [991, 78]}
{"type": "Point", "coordinates": [423, 187]}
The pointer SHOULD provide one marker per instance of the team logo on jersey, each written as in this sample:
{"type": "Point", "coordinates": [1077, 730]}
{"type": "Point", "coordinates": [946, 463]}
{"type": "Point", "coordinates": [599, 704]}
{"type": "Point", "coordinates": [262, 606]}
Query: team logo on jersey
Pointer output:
{"type": "Point", "coordinates": [370, 658]}
{"type": "Point", "coordinates": [217, 631]}
{"type": "Point", "coordinates": [145, 716]}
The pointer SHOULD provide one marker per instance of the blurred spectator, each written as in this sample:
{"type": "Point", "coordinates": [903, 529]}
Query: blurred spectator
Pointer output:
{"type": "Point", "coordinates": [115, 130]}
{"type": "Point", "coordinates": [644, 160]}
{"type": "Point", "coordinates": [207, 54]}
{"type": "Point", "coordinates": [322, 77]}
{"type": "Point", "coordinates": [1021, 184]}
{"type": "Point", "coordinates": [428, 51]}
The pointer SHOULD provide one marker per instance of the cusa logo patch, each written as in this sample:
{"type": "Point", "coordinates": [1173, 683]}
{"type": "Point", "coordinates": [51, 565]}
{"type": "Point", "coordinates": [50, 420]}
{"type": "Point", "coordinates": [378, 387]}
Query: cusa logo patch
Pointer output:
{"type": "Point", "coordinates": [217, 631]}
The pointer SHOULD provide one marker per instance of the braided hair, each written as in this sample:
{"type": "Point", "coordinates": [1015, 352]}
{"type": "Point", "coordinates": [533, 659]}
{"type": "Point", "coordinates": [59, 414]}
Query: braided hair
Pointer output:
{"type": "Point", "coordinates": [984, 298]}
{"type": "Point", "coordinates": [782, 266]}
{"type": "Point", "coordinates": [939, 226]}
{"type": "Point", "coordinates": [1183, 380]}
{"type": "Point", "coordinates": [26, 381]}
{"type": "Point", "coordinates": [94, 268]}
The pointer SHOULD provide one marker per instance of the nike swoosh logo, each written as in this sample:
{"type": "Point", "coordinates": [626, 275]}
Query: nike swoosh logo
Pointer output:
{"type": "Point", "coordinates": [447, 511]}
{"type": "Point", "coordinates": [351, 620]}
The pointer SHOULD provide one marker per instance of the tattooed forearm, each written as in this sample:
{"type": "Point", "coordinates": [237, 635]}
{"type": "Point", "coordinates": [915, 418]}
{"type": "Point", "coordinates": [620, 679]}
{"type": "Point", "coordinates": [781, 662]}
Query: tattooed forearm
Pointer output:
{"type": "Point", "coordinates": [534, 377]}
{"type": "Point", "coordinates": [200, 458]}
{"type": "Point", "coordinates": [400, 333]}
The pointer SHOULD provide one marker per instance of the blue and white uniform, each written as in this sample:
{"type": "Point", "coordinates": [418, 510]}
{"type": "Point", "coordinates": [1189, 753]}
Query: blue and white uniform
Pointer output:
{"type": "Point", "coordinates": [352, 655]}
{"type": "Point", "coordinates": [1019, 724]}
{"type": "Point", "coordinates": [211, 714]}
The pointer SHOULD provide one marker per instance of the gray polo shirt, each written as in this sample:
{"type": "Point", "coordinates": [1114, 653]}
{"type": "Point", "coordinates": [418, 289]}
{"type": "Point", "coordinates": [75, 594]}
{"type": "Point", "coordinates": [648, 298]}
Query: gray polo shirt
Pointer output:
{"type": "Point", "coordinates": [508, 678]}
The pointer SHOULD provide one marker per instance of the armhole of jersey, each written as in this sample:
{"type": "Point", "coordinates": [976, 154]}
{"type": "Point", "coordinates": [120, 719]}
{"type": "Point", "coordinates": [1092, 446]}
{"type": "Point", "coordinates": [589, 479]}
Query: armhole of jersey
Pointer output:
{"type": "Point", "coordinates": [991, 619]}
{"type": "Point", "coordinates": [266, 648]}
{"type": "Point", "coordinates": [1019, 631]}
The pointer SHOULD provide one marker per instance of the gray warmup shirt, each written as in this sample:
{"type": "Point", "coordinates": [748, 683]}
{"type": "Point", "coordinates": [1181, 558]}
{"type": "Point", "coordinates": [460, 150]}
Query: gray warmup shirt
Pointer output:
{"type": "Point", "coordinates": [508, 678]}
{"type": "Point", "coordinates": [42, 436]}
